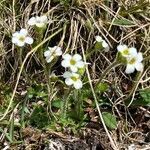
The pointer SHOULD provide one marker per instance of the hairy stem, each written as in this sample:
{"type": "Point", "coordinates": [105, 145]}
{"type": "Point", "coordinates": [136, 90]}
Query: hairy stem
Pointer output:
{"type": "Point", "coordinates": [65, 104]}
{"type": "Point", "coordinates": [106, 71]}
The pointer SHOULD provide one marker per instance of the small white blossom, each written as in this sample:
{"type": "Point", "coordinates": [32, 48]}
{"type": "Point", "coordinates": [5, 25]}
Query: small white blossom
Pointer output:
{"type": "Point", "coordinates": [125, 51]}
{"type": "Point", "coordinates": [39, 21]}
{"type": "Point", "coordinates": [72, 78]}
{"type": "Point", "coordinates": [100, 40]}
{"type": "Point", "coordinates": [133, 58]}
{"type": "Point", "coordinates": [134, 62]}
{"type": "Point", "coordinates": [52, 52]}
{"type": "Point", "coordinates": [21, 37]}
{"type": "Point", "coordinates": [73, 62]}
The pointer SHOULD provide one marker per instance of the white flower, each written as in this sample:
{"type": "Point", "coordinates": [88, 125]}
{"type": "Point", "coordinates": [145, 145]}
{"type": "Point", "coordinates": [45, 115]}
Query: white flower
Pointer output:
{"type": "Point", "coordinates": [52, 52]}
{"type": "Point", "coordinates": [125, 51]}
{"type": "Point", "coordinates": [73, 79]}
{"type": "Point", "coordinates": [134, 62]}
{"type": "Point", "coordinates": [134, 59]}
{"type": "Point", "coordinates": [99, 39]}
{"type": "Point", "coordinates": [73, 62]}
{"type": "Point", "coordinates": [21, 37]}
{"type": "Point", "coordinates": [39, 21]}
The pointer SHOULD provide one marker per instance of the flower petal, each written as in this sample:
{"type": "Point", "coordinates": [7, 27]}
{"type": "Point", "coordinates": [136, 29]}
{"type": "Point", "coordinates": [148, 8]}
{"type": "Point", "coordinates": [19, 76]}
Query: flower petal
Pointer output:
{"type": "Point", "coordinates": [29, 40]}
{"type": "Point", "coordinates": [38, 19]}
{"type": "Point", "coordinates": [32, 21]}
{"type": "Point", "coordinates": [104, 44]}
{"type": "Point", "coordinates": [139, 57]}
{"type": "Point", "coordinates": [44, 19]}
{"type": "Point", "coordinates": [58, 51]}
{"type": "Point", "coordinates": [68, 81]}
{"type": "Point", "coordinates": [120, 48]}
{"type": "Point", "coordinates": [14, 40]}
{"type": "Point", "coordinates": [77, 57]}
{"type": "Point", "coordinates": [57, 48]}
{"type": "Point", "coordinates": [47, 53]}
{"type": "Point", "coordinates": [98, 38]}
{"type": "Point", "coordinates": [67, 56]}
{"type": "Point", "coordinates": [67, 74]}
{"type": "Point", "coordinates": [80, 64]}
{"type": "Point", "coordinates": [51, 49]}
{"type": "Point", "coordinates": [65, 63]}
{"type": "Point", "coordinates": [107, 49]}
{"type": "Point", "coordinates": [73, 68]}
{"type": "Point", "coordinates": [78, 84]}
{"type": "Point", "coordinates": [133, 51]}
{"type": "Point", "coordinates": [16, 34]}
{"type": "Point", "coordinates": [23, 32]}
{"type": "Point", "coordinates": [20, 43]}
{"type": "Point", "coordinates": [139, 66]}
{"type": "Point", "coordinates": [130, 69]}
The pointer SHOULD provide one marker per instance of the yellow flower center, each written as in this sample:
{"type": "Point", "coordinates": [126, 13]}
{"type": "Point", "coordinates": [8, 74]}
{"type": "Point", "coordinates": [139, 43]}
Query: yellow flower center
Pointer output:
{"type": "Point", "coordinates": [74, 78]}
{"type": "Point", "coordinates": [22, 38]}
{"type": "Point", "coordinates": [132, 61]}
{"type": "Point", "coordinates": [125, 52]}
{"type": "Point", "coordinates": [72, 62]}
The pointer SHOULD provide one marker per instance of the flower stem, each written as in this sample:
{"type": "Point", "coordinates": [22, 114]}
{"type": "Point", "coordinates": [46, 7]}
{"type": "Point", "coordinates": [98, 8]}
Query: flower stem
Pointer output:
{"type": "Point", "coordinates": [40, 35]}
{"type": "Point", "coordinates": [65, 104]}
{"type": "Point", "coordinates": [20, 56]}
{"type": "Point", "coordinates": [23, 113]}
{"type": "Point", "coordinates": [134, 87]}
{"type": "Point", "coordinates": [47, 68]}
{"type": "Point", "coordinates": [114, 64]}
{"type": "Point", "coordinates": [20, 60]}
{"type": "Point", "coordinates": [77, 103]}
{"type": "Point", "coordinates": [49, 87]}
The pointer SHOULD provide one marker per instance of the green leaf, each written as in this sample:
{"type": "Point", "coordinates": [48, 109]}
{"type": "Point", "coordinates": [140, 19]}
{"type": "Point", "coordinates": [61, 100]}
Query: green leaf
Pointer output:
{"type": "Point", "coordinates": [139, 102]}
{"type": "Point", "coordinates": [41, 94]}
{"type": "Point", "coordinates": [144, 99]}
{"type": "Point", "coordinates": [57, 103]}
{"type": "Point", "coordinates": [102, 87]}
{"type": "Point", "coordinates": [123, 22]}
{"type": "Point", "coordinates": [110, 120]}
{"type": "Point", "coordinates": [145, 94]}
{"type": "Point", "coordinates": [39, 117]}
